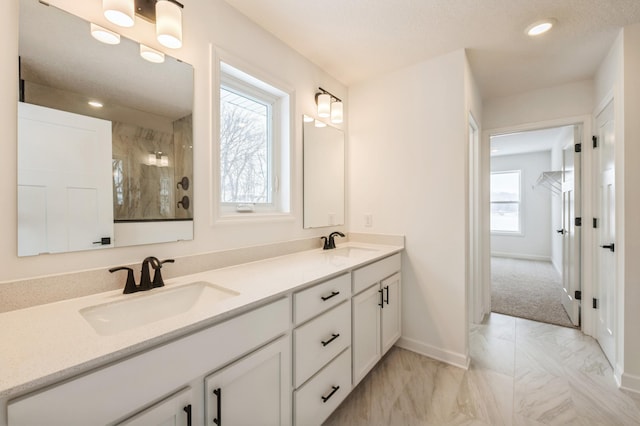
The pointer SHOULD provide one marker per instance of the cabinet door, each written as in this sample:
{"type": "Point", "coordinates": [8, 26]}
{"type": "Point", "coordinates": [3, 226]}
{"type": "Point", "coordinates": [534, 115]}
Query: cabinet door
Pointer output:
{"type": "Point", "coordinates": [175, 410]}
{"type": "Point", "coordinates": [391, 320]}
{"type": "Point", "coordinates": [254, 390]}
{"type": "Point", "coordinates": [366, 331]}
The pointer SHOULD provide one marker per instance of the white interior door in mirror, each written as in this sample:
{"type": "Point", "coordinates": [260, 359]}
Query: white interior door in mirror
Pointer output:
{"type": "Point", "coordinates": [323, 176]}
{"type": "Point", "coordinates": [64, 181]}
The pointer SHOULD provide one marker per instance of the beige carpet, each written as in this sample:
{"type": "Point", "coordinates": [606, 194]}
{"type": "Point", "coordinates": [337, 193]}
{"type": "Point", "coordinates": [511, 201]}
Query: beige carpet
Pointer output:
{"type": "Point", "coordinates": [527, 289]}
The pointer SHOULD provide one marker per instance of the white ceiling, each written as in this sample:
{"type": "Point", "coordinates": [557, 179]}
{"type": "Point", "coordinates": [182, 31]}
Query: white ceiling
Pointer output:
{"type": "Point", "coordinates": [354, 40]}
{"type": "Point", "coordinates": [529, 141]}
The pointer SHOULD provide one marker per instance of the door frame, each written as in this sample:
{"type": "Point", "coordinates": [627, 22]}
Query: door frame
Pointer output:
{"type": "Point", "coordinates": [586, 245]}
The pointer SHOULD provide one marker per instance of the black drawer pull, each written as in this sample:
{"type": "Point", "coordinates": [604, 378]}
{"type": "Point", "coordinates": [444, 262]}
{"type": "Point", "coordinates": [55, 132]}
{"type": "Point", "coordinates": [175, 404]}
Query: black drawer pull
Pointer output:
{"type": "Point", "coordinates": [187, 410]}
{"type": "Point", "coordinates": [334, 336]}
{"type": "Point", "coordinates": [334, 389]}
{"type": "Point", "coordinates": [218, 394]}
{"type": "Point", "coordinates": [333, 294]}
{"type": "Point", "coordinates": [387, 288]}
{"type": "Point", "coordinates": [381, 304]}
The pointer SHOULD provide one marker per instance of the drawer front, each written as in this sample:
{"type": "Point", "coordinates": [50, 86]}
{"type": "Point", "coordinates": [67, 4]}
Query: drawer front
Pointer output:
{"type": "Point", "coordinates": [320, 340]}
{"type": "Point", "coordinates": [318, 398]}
{"type": "Point", "coordinates": [371, 274]}
{"type": "Point", "coordinates": [321, 297]}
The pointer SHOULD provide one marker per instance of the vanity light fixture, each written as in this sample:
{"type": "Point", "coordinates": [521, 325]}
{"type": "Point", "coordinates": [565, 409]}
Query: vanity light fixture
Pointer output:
{"type": "Point", "coordinates": [307, 119]}
{"type": "Point", "coordinates": [119, 12]}
{"type": "Point", "coordinates": [319, 123]}
{"type": "Point", "coordinates": [164, 161]}
{"type": "Point", "coordinates": [169, 23]}
{"type": "Point", "coordinates": [329, 105]}
{"type": "Point", "coordinates": [336, 112]}
{"type": "Point", "coordinates": [540, 27]}
{"type": "Point", "coordinates": [104, 35]}
{"type": "Point", "coordinates": [151, 55]}
{"type": "Point", "coordinates": [166, 14]}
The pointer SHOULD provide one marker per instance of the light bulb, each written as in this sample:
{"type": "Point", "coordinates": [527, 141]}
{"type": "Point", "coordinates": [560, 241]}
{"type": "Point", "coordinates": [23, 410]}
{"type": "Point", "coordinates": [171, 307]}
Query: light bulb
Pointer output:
{"type": "Point", "coordinates": [151, 55]}
{"type": "Point", "coordinates": [337, 112]}
{"type": "Point", "coordinates": [120, 12]}
{"type": "Point", "coordinates": [104, 35]}
{"type": "Point", "coordinates": [169, 24]}
{"type": "Point", "coordinates": [324, 105]}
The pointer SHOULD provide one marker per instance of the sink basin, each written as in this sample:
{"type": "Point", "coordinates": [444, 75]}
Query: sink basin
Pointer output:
{"type": "Point", "coordinates": [350, 251]}
{"type": "Point", "coordinates": [148, 307]}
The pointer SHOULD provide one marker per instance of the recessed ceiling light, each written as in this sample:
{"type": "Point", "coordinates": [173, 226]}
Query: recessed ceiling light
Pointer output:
{"type": "Point", "coordinates": [95, 104]}
{"type": "Point", "coordinates": [540, 27]}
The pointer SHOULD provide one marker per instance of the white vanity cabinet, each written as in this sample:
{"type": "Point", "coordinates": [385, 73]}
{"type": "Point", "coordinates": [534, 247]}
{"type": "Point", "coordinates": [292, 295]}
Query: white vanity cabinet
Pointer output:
{"type": "Point", "coordinates": [376, 313]}
{"type": "Point", "coordinates": [141, 386]}
{"type": "Point", "coordinates": [176, 410]}
{"type": "Point", "coordinates": [252, 391]}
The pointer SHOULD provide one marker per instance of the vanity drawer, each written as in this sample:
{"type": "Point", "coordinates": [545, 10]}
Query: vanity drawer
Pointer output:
{"type": "Point", "coordinates": [318, 398]}
{"type": "Point", "coordinates": [314, 300]}
{"type": "Point", "coordinates": [320, 340]}
{"type": "Point", "coordinates": [371, 274]}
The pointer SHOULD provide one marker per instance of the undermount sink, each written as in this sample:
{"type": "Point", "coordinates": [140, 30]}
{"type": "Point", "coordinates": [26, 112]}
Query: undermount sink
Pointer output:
{"type": "Point", "coordinates": [155, 305]}
{"type": "Point", "coordinates": [350, 251]}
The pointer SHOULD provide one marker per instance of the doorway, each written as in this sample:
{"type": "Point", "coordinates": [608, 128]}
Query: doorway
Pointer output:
{"type": "Point", "coordinates": [534, 215]}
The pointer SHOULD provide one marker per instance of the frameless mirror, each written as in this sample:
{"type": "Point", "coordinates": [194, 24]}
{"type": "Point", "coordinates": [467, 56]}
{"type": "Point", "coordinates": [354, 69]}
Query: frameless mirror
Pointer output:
{"type": "Point", "coordinates": [323, 153]}
{"type": "Point", "coordinates": [105, 139]}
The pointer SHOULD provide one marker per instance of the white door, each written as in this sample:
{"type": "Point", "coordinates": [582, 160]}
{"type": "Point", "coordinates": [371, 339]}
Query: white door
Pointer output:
{"type": "Point", "coordinates": [571, 232]}
{"type": "Point", "coordinates": [605, 253]}
{"type": "Point", "coordinates": [252, 391]}
{"type": "Point", "coordinates": [64, 181]}
{"type": "Point", "coordinates": [366, 331]}
{"type": "Point", "coordinates": [391, 321]}
{"type": "Point", "coordinates": [176, 410]}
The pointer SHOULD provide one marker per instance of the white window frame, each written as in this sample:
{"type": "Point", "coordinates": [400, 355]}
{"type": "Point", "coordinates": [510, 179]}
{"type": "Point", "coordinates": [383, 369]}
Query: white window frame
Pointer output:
{"type": "Point", "coordinates": [520, 202]}
{"type": "Point", "coordinates": [236, 75]}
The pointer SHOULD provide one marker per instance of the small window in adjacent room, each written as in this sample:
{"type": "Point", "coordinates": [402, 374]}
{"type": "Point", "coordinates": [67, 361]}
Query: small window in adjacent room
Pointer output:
{"type": "Point", "coordinates": [254, 144]}
{"type": "Point", "coordinates": [505, 202]}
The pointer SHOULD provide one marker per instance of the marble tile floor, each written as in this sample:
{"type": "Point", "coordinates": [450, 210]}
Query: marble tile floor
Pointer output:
{"type": "Point", "coordinates": [522, 373]}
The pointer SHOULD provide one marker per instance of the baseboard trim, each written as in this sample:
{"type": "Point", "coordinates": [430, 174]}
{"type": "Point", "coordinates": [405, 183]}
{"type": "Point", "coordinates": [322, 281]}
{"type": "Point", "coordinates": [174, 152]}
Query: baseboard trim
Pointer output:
{"type": "Point", "coordinates": [448, 357]}
{"type": "Point", "coordinates": [630, 382]}
{"type": "Point", "coordinates": [521, 256]}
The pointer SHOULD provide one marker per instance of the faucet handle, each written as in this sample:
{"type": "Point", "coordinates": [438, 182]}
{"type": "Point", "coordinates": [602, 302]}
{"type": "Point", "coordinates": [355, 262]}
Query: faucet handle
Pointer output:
{"type": "Point", "coordinates": [130, 286]}
{"type": "Point", "coordinates": [157, 275]}
{"type": "Point", "coordinates": [326, 245]}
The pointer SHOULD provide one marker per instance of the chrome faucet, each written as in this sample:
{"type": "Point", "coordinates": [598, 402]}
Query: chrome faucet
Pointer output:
{"type": "Point", "coordinates": [329, 242]}
{"type": "Point", "coordinates": [145, 275]}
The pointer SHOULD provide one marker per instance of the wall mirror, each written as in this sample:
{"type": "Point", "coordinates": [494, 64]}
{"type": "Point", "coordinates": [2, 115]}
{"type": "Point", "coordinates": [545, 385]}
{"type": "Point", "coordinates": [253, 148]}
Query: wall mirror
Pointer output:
{"type": "Point", "coordinates": [323, 153]}
{"type": "Point", "coordinates": [106, 174]}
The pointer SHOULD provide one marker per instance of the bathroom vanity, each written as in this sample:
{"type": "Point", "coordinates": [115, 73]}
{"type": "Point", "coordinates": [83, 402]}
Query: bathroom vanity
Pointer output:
{"type": "Point", "coordinates": [279, 341]}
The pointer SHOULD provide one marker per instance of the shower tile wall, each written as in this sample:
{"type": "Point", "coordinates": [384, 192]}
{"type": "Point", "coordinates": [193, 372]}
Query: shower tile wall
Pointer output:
{"type": "Point", "coordinates": [143, 190]}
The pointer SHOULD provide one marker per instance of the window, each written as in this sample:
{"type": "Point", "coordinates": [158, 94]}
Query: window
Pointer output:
{"type": "Point", "coordinates": [253, 149]}
{"type": "Point", "coordinates": [505, 202]}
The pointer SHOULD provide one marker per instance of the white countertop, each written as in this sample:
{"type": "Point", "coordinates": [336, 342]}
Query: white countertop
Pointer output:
{"type": "Point", "coordinates": [47, 343]}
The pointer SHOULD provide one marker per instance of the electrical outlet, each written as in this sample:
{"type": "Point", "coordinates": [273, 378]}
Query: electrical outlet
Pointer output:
{"type": "Point", "coordinates": [368, 220]}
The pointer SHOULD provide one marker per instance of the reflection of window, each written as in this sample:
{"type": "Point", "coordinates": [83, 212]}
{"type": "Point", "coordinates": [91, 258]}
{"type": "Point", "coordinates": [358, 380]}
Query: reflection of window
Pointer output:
{"type": "Point", "coordinates": [505, 202]}
{"type": "Point", "coordinates": [165, 195]}
{"type": "Point", "coordinates": [253, 143]}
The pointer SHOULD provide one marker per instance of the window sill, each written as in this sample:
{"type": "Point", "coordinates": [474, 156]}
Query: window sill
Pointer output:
{"type": "Point", "coordinates": [507, 234]}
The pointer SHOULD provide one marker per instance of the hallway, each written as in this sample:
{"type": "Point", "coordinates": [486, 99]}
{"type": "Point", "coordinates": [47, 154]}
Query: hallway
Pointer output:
{"type": "Point", "coordinates": [522, 373]}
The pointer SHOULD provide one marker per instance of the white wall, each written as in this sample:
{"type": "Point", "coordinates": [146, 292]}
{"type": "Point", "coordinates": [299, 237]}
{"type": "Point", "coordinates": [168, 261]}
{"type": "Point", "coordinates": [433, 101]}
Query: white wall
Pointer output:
{"type": "Point", "coordinates": [568, 100]}
{"type": "Point", "coordinates": [206, 23]}
{"type": "Point", "coordinates": [535, 241]}
{"type": "Point", "coordinates": [631, 191]}
{"type": "Point", "coordinates": [407, 168]}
